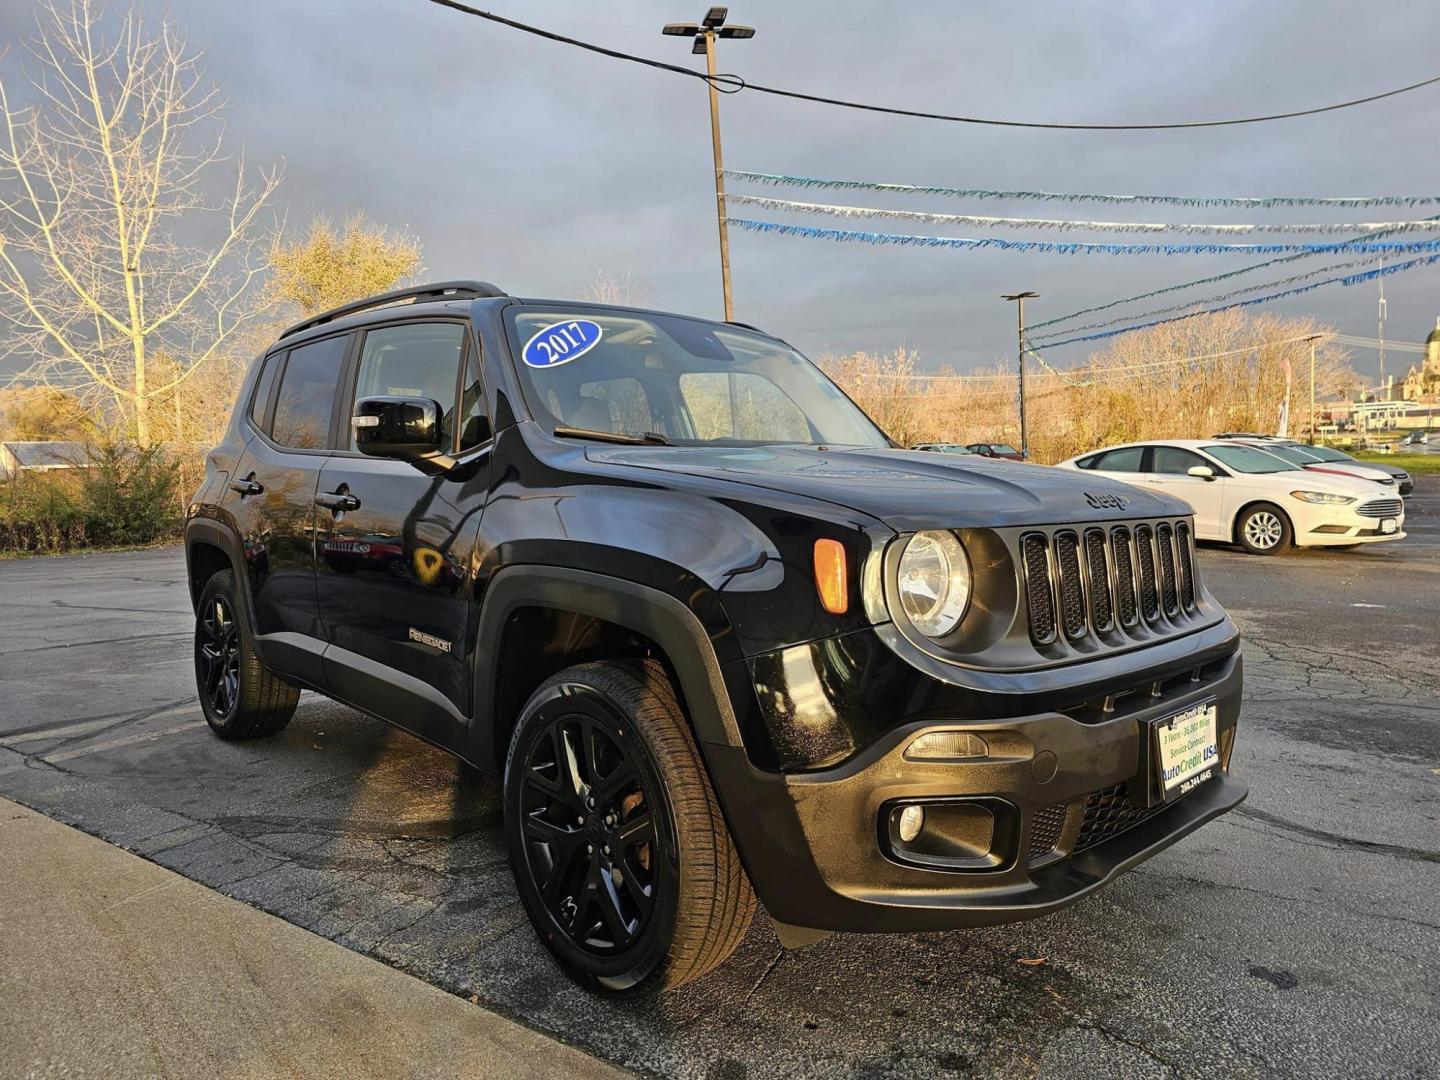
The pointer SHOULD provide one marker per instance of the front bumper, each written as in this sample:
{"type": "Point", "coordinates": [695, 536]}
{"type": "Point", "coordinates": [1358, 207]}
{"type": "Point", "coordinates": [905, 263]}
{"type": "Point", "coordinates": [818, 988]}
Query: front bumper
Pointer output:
{"type": "Point", "coordinates": [1070, 786]}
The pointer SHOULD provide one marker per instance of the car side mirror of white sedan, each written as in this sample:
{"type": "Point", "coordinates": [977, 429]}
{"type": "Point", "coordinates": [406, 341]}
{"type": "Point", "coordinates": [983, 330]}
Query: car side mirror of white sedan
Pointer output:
{"type": "Point", "coordinates": [1204, 472]}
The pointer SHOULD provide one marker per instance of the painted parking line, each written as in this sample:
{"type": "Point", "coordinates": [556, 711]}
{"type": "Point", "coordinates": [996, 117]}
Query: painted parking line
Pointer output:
{"type": "Point", "coordinates": [70, 731]}
{"type": "Point", "coordinates": [115, 744]}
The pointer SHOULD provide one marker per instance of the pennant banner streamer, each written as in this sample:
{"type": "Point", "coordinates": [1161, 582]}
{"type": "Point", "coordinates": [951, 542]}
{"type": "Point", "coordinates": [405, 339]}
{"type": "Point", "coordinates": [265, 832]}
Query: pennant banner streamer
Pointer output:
{"type": "Point", "coordinates": [1348, 279]}
{"type": "Point", "coordinates": [1056, 247]}
{"type": "Point", "coordinates": [1195, 228]}
{"type": "Point", "coordinates": [1252, 202]}
{"type": "Point", "coordinates": [1188, 304]}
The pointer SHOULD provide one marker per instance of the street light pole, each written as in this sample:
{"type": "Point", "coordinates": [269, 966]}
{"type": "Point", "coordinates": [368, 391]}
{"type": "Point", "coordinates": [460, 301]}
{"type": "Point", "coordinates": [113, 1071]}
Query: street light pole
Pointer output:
{"type": "Point", "coordinates": [1020, 299]}
{"type": "Point", "coordinates": [704, 34]}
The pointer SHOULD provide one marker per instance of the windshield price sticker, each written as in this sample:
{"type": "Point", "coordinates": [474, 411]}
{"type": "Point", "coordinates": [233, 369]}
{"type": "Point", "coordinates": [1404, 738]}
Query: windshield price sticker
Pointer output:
{"type": "Point", "coordinates": [559, 343]}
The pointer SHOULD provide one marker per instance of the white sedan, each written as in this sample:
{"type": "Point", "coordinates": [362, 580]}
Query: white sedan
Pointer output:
{"type": "Point", "coordinates": [1244, 495]}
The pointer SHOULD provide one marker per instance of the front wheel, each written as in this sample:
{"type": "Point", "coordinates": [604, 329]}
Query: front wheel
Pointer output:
{"type": "Point", "coordinates": [621, 856]}
{"type": "Point", "coordinates": [241, 697]}
{"type": "Point", "coordinates": [1263, 529]}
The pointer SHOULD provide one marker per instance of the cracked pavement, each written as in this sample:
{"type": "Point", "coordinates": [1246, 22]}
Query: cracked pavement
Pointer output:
{"type": "Point", "coordinates": [1298, 936]}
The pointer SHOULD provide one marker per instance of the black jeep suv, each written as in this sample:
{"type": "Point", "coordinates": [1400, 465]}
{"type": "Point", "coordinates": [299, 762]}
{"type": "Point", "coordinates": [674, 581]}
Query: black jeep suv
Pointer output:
{"type": "Point", "coordinates": [721, 637]}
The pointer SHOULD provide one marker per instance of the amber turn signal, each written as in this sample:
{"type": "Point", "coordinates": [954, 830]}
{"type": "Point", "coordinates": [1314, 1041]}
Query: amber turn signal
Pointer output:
{"type": "Point", "coordinates": [830, 577]}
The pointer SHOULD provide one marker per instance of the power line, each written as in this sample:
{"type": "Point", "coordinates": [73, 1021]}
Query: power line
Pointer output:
{"type": "Point", "coordinates": [733, 83]}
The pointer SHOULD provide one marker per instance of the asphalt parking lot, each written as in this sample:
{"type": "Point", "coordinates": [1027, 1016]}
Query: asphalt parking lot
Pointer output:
{"type": "Point", "coordinates": [1298, 936]}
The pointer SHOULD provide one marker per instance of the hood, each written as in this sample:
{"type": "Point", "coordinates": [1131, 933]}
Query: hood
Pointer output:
{"type": "Point", "coordinates": [909, 489]}
{"type": "Point", "coordinates": [1335, 482]}
{"type": "Point", "coordinates": [1343, 468]}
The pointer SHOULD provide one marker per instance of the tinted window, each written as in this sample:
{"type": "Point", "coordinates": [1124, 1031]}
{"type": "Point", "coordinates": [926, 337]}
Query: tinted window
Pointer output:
{"type": "Point", "coordinates": [418, 360]}
{"type": "Point", "coordinates": [307, 394]}
{"type": "Point", "coordinates": [1174, 461]}
{"type": "Point", "coordinates": [1126, 459]}
{"type": "Point", "coordinates": [260, 404]}
{"type": "Point", "coordinates": [1003, 448]}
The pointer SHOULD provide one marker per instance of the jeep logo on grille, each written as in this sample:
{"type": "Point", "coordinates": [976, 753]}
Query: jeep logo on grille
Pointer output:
{"type": "Point", "coordinates": [1107, 502]}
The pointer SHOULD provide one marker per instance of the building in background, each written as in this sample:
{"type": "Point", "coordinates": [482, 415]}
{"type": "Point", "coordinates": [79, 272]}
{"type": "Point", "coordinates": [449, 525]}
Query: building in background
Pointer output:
{"type": "Point", "coordinates": [1422, 382]}
{"type": "Point", "coordinates": [18, 457]}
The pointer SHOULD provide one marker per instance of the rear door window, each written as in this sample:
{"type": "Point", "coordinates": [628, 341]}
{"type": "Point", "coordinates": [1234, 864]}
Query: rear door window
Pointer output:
{"type": "Point", "coordinates": [306, 401]}
{"type": "Point", "coordinates": [1126, 459]}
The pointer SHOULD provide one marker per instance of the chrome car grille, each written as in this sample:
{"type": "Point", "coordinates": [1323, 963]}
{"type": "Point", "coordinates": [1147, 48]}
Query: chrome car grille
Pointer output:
{"type": "Point", "coordinates": [1114, 579]}
{"type": "Point", "coordinates": [1380, 508]}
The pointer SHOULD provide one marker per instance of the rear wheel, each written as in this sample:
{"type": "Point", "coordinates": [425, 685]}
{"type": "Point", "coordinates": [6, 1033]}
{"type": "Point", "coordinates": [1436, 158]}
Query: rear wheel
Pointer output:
{"type": "Point", "coordinates": [241, 697]}
{"type": "Point", "coordinates": [621, 856]}
{"type": "Point", "coordinates": [1264, 529]}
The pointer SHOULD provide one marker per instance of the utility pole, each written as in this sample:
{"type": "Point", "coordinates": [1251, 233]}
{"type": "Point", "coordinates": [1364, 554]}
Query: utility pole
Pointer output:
{"type": "Point", "coordinates": [712, 27]}
{"type": "Point", "coordinates": [1020, 299]}
{"type": "Point", "coordinates": [1312, 339]}
{"type": "Point", "coordinates": [1382, 329]}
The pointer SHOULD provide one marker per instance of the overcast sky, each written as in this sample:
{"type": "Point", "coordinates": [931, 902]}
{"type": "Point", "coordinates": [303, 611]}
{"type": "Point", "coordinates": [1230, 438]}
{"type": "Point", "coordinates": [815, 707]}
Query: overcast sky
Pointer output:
{"type": "Point", "coordinates": [532, 164]}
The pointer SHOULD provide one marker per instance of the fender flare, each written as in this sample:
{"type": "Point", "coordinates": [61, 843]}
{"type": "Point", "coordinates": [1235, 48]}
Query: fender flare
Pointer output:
{"type": "Point", "coordinates": [656, 614]}
{"type": "Point", "coordinates": [206, 531]}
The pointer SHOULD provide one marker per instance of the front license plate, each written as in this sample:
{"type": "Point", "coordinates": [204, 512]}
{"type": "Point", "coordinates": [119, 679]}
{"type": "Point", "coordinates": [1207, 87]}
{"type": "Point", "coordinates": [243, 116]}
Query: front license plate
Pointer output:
{"type": "Point", "coordinates": [1187, 750]}
{"type": "Point", "coordinates": [1389, 525]}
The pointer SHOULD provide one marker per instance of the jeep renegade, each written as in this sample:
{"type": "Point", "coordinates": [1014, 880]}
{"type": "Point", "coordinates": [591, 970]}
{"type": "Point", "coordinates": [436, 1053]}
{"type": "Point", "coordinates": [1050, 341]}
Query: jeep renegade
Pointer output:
{"type": "Point", "coordinates": [723, 640]}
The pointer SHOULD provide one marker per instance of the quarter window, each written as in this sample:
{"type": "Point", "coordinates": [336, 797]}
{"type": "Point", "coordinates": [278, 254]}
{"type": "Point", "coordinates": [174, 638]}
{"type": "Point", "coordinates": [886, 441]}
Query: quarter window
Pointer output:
{"type": "Point", "coordinates": [307, 394]}
{"type": "Point", "coordinates": [260, 404]}
{"type": "Point", "coordinates": [415, 360]}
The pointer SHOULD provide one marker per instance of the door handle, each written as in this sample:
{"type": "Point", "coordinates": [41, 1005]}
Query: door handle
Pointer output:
{"type": "Point", "coordinates": [248, 486]}
{"type": "Point", "coordinates": [337, 502]}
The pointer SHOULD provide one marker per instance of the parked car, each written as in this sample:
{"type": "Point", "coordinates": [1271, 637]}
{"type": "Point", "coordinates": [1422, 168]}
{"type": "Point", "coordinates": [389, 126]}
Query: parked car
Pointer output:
{"type": "Point", "coordinates": [1415, 438]}
{"type": "Point", "coordinates": [1404, 483]}
{"type": "Point", "coordinates": [1248, 496]}
{"type": "Point", "coordinates": [720, 640]}
{"type": "Point", "coordinates": [1304, 456]}
{"type": "Point", "coordinates": [944, 448]}
{"type": "Point", "coordinates": [996, 450]}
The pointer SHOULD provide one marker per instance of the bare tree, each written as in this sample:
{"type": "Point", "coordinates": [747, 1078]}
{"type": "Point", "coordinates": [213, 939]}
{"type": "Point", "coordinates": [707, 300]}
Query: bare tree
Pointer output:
{"type": "Point", "coordinates": [627, 291]}
{"type": "Point", "coordinates": [114, 247]}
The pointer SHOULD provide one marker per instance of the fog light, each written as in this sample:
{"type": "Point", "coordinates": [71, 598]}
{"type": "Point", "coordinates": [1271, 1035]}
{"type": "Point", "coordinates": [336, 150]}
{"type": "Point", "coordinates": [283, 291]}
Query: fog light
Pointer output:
{"type": "Point", "coordinates": [912, 820]}
{"type": "Point", "coordinates": [947, 746]}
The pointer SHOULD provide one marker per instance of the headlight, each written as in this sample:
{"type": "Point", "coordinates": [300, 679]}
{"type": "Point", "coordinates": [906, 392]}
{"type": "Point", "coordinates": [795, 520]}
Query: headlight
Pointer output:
{"type": "Point", "coordinates": [934, 582]}
{"type": "Point", "coordinates": [1323, 497]}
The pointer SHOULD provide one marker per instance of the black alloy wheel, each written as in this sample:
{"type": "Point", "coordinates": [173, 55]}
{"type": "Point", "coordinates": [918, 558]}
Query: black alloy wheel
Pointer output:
{"type": "Point", "coordinates": [217, 656]}
{"type": "Point", "coordinates": [589, 817]}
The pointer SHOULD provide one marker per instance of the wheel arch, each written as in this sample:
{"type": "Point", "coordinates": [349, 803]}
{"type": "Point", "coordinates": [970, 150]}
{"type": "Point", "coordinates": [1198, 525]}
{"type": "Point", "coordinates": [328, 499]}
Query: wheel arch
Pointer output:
{"type": "Point", "coordinates": [209, 548]}
{"type": "Point", "coordinates": [603, 617]}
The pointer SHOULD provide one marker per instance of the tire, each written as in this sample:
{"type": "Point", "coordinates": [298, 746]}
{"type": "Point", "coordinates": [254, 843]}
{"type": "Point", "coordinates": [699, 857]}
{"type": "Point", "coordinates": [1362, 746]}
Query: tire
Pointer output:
{"type": "Point", "coordinates": [241, 697]}
{"type": "Point", "coordinates": [599, 750]}
{"type": "Point", "coordinates": [1264, 529]}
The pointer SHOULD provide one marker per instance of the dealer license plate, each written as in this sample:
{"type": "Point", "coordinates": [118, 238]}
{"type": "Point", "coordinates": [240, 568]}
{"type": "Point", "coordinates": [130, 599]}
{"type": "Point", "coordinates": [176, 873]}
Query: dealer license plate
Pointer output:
{"type": "Point", "coordinates": [1389, 525]}
{"type": "Point", "coordinates": [1187, 750]}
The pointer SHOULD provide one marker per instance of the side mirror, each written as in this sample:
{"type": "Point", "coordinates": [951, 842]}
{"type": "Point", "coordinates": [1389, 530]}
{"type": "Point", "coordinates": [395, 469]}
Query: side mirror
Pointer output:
{"type": "Point", "coordinates": [1204, 472]}
{"type": "Point", "coordinates": [398, 427]}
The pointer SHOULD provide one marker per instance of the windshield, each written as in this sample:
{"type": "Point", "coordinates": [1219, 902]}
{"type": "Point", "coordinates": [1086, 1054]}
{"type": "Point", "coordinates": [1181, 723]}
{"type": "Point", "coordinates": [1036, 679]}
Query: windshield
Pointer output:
{"type": "Point", "coordinates": [1292, 454]}
{"type": "Point", "coordinates": [1324, 453]}
{"type": "Point", "coordinates": [1247, 459]}
{"type": "Point", "coordinates": [689, 381]}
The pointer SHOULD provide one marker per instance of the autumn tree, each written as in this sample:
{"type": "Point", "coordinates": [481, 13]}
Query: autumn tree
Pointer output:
{"type": "Point", "coordinates": [41, 412]}
{"type": "Point", "coordinates": [623, 290]}
{"type": "Point", "coordinates": [329, 267]}
{"type": "Point", "coordinates": [118, 238]}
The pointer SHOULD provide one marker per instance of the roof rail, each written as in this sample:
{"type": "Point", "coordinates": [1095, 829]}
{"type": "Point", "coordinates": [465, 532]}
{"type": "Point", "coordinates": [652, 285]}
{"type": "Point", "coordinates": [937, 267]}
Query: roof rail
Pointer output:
{"type": "Point", "coordinates": [440, 290]}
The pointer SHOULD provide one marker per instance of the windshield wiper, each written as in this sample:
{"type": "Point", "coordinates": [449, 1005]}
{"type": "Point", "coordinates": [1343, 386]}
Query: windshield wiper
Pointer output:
{"type": "Point", "coordinates": [650, 438]}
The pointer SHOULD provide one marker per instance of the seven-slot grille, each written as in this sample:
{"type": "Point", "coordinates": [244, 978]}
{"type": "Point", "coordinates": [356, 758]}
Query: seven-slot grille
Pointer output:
{"type": "Point", "coordinates": [1098, 580]}
{"type": "Point", "coordinates": [1380, 508]}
